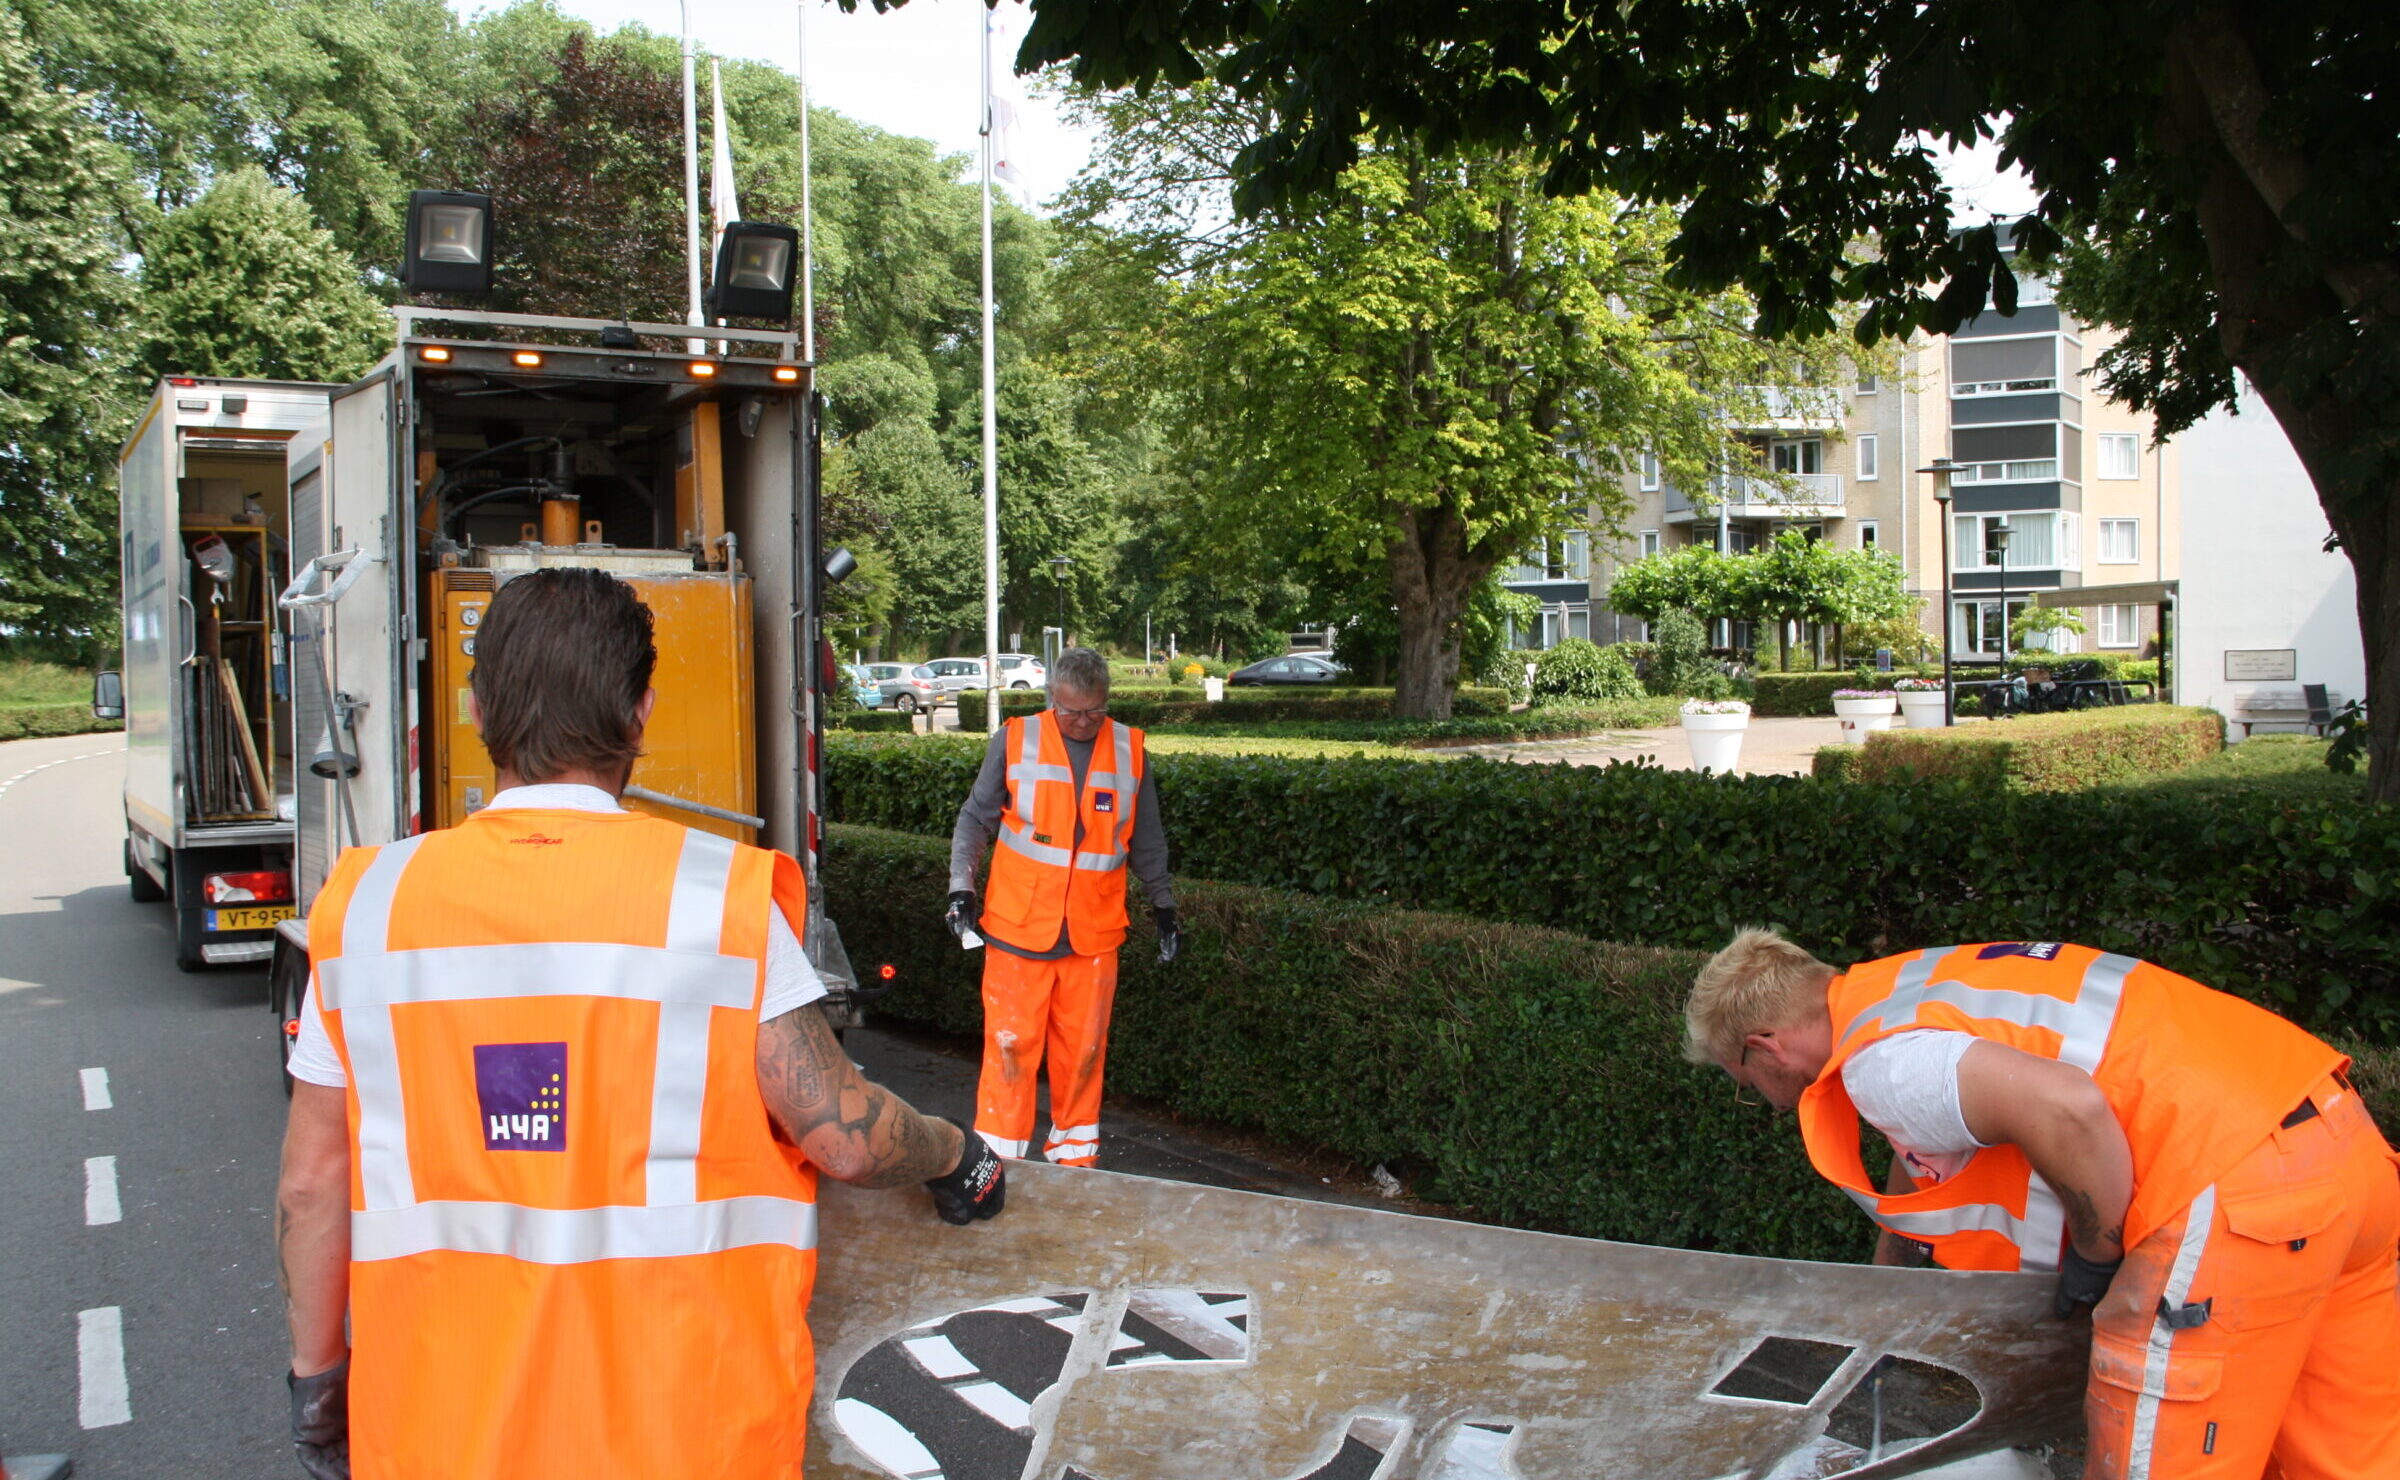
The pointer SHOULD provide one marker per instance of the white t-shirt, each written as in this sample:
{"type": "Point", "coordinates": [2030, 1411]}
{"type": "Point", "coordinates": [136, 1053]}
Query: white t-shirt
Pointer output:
{"type": "Point", "coordinates": [1906, 1086]}
{"type": "Point", "coordinates": [791, 980]}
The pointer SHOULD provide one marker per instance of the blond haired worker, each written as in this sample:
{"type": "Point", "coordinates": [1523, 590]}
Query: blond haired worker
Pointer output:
{"type": "Point", "coordinates": [2196, 1169]}
{"type": "Point", "coordinates": [561, 1100]}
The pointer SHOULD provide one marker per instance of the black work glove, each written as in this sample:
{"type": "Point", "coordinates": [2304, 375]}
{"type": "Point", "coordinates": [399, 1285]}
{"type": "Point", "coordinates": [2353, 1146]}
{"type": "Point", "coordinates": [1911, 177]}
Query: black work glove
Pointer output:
{"type": "Point", "coordinates": [1170, 932]}
{"type": "Point", "coordinates": [2081, 1283]}
{"type": "Point", "coordinates": [961, 917]}
{"type": "Point", "coordinates": [321, 1421]}
{"type": "Point", "coordinates": [976, 1187]}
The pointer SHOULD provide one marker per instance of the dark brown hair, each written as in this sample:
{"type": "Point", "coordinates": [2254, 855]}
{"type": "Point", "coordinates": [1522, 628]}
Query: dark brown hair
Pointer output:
{"type": "Point", "coordinates": [561, 661]}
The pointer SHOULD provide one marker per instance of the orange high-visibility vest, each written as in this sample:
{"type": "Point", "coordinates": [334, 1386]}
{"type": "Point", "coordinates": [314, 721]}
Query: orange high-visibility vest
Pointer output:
{"type": "Point", "coordinates": [576, 1247]}
{"type": "Point", "coordinates": [2197, 1079]}
{"type": "Point", "coordinates": [1041, 879]}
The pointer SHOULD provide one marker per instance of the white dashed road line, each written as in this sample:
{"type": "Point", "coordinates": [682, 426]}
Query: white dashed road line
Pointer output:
{"type": "Point", "coordinates": [100, 1358]}
{"type": "Point", "coordinates": [61, 761]}
{"type": "Point", "coordinates": [95, 1090]}
{"type": "Point", "coordinates": [100, 1204]}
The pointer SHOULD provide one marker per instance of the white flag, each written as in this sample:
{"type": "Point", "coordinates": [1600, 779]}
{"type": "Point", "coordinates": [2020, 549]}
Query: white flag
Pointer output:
{"type": "Point", "coordinates": [725, 209]}
{"type": "Point", "coordinates": [1007, 163]}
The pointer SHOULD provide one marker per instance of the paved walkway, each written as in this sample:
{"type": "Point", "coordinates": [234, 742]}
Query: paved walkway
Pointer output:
{"type": "Point", "coordinates": [1771, 747]}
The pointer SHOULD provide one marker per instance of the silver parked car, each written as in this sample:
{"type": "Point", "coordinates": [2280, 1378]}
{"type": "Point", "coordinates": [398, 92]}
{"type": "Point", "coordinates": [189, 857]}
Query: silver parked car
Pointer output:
{"type": "Point", "coordinates": [907, 687]}
{"type": "Point", "coordinates": [954, 676]}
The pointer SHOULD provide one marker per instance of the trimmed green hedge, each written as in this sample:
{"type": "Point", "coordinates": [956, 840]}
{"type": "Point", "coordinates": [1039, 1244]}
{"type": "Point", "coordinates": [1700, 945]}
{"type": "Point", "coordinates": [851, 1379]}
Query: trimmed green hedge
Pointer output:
{"type": "Point", "coordinates": [873, 719]}
{"type": "Point", "coordinates": [1533, 1077]}
{"type": "Point", "coordinates": [2047, 752]}
{"type": "Point", "coordinates": [1800, 695]}
{"type": "Point", "coordinates": [2296, 904]}
{"type": "Point", "coordinates": [36, 721]}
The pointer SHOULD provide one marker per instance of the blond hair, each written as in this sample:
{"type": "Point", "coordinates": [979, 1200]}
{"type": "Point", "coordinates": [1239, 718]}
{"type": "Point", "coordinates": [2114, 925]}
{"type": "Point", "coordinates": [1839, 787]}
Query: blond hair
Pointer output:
{"type": "Point", "coordinates": [1758, 982]}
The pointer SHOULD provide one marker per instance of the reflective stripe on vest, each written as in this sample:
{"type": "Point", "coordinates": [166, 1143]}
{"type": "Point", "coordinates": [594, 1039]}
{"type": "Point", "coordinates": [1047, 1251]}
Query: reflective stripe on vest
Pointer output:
{"type": "Point", "coordinates": [1028, 771]}
{"type": "Point", "coordinates": [2083, 1026]}
{"type": "Point", "coordinates": [686, 977]}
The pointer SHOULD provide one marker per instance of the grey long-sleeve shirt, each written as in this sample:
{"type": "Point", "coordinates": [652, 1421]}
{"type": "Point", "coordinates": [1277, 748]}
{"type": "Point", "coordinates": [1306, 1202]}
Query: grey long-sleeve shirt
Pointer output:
{"type": "Point", "coordinates": [979, 823]}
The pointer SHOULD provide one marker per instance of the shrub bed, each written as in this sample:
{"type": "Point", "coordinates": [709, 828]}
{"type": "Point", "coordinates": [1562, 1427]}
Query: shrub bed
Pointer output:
{"type": "Point", "coordinates": [1150, 706]}
{"type": "Point", "coordinates": [1531, 1076]}
{"type": "Point", "coordinates": [2296, 904]}
{"type": "Point", "coordinates": [36, 721]}
{"type": "Point", "coordinates": [873, 719]}
{"type": "Point", "coordinates": [2046, 752]}
{"type": "Point", "coordinates": [1799, 695]}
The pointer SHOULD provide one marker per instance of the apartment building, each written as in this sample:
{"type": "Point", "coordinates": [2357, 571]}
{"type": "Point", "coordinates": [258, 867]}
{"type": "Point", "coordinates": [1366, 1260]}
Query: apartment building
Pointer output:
{"type": "Point", "coordinates": [2055, 487]}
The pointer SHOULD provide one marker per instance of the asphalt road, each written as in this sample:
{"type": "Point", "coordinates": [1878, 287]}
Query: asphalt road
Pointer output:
{"type": "Point", "coordinates": [88, 981]}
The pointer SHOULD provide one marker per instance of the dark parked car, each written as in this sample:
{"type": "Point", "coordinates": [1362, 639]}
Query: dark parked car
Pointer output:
{"type": "Point", "coordinates": [1298, 668]}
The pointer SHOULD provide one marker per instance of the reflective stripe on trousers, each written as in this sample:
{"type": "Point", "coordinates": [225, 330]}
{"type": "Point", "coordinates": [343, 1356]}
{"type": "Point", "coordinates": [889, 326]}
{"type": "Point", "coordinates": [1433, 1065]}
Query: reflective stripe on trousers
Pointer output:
{"type": "Point", "coordinates": [686, 977]}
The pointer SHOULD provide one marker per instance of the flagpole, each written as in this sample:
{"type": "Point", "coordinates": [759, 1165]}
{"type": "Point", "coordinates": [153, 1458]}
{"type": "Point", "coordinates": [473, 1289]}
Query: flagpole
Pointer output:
{"type": "Point", "coordinates": [691, 190]}
{"type": "Point", "coordinates": [808, 248]}
{"type": "Point", "coordinates": [720, 182]}
{"type": "Point", "coordinates": [991, 435]}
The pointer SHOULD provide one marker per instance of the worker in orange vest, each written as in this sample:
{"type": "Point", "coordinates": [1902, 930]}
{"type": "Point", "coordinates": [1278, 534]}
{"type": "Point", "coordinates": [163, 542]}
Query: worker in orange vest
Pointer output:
{"type": "Point", "coordinates": [561, 1098]}
{"type": "Point", "coordinates": [2197, 1171]}
{"type": "Point", "coordinates": [1067, 797]}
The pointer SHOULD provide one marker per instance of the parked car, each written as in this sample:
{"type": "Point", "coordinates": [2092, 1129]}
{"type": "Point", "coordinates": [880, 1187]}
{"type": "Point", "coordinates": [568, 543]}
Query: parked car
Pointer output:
{"type": "Point", "coordinates": [1023, 671]}
{"type": "Point", "coordinates": [870, 693]}
{"type": "Point", "coordinates": [1298, 668]}
{"type": "Point", "coordinates": [906, 687]}
{"type": "Point", "coordinates": [954, 676]}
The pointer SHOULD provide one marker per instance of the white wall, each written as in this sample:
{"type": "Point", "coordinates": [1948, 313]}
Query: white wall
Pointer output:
{"type": "Point", "coordinates": [2255, 571]}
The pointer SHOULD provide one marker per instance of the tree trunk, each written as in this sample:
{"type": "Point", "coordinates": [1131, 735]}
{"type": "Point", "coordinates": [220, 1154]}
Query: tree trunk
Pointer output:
{"type": "Point", "coordinates": [2271, 321]}
{"type": "Point", "coordinates": [1432, 577]}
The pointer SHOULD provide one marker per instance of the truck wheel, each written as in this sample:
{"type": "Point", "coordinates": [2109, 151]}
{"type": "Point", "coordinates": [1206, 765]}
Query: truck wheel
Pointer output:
{"type": "Point", "coordinates": [138, 882]}
{"type": "Point", "coordinates": [187, 926]}
{"type": "Point", "coordinates": [285, 987]}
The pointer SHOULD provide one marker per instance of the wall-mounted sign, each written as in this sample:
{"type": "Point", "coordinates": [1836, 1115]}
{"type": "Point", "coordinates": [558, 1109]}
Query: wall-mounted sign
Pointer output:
{"type": "Point", "coordinates": [2261, 665]}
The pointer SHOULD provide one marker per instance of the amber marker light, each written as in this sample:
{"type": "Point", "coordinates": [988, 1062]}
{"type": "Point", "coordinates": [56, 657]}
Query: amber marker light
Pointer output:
{"type": "Point", "coordinates": [434, 354]}
{"type": "Point", "coordinates": [526, 358]}
{"type": "Point", "coordinates": [703, 369]}
{"type": "Point", "coordinates": [787, 373]}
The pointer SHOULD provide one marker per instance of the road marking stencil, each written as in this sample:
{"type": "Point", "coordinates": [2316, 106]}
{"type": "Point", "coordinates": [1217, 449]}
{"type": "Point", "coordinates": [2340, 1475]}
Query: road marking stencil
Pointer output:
{"type": "Point", "coordinates": [95, 1090]}
{"type": "Point", "coordinates": [100, 1363]}
{"type": "Point", "coordinates": [100, 1202]}
{"type": "Point", "coordinates": [61, 761]}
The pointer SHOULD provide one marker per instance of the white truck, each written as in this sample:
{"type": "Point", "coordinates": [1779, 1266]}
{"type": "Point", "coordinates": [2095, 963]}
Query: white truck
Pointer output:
{"type": "Point", "coordinates": [205, 687]}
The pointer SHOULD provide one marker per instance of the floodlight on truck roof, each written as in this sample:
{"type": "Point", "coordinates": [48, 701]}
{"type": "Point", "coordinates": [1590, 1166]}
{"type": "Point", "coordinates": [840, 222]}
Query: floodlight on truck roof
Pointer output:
{"type": "Point", "coordinates": [753, 279]}
{"type": "Point", "coordinates": [449, 244]}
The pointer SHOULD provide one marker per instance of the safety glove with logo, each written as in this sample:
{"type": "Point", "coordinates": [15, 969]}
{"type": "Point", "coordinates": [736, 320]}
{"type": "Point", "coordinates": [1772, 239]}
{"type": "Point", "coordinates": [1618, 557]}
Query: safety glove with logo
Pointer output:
{"type": "Point", "coordinates": [1170, 932]}
{"type": "Point", "coordinates": [962, 915]}
{"type": "Point", "coordinates": [976, 1187]}
{"type": "Point", "coordinates": [2081, 1283]}
{"type": "Point", "coordinates": [321, 1421]}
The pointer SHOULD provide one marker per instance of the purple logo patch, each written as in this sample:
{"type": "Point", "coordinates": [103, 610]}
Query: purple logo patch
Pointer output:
{"type": "Point", "coordinates": [2039, 950]}
{"type": "Point", "coordinates": [521, 1089]}
{"type": "Point", "coordinates": [1104, 801]}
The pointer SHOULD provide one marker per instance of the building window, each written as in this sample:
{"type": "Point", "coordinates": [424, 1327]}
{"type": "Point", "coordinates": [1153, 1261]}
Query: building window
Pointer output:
{"type": "Point", "coordinates": [1869, 382]}
{"type": "Point", "coordinates": [2119, 627]}
{"type": "Point", "coordinates": [1567, 558]}
{"type": "Point", "coordinates": [1978, 627]}
{"type": "Point", "coordinates": [1649, 543]}
{"type": "Point", "coordinates": [1806, 456]}
{"type": "Point", "coordinates": [2120, 455]}
{"type": "Point", "coordinates": [2043, 541]}
{"type": "Point", "coordinates": [1649, 472]}
{"type": "Point", "coordinates": [1866, 459]}
{"type": "Point", "coordinates": [2120, 541]}
{"type": "Point", "coordinates": [1870, 534]}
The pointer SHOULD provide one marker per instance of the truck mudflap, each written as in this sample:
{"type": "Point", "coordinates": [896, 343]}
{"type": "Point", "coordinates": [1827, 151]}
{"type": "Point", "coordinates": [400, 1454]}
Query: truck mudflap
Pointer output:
{"type": "Point", "coordinates": [1109, 1327]}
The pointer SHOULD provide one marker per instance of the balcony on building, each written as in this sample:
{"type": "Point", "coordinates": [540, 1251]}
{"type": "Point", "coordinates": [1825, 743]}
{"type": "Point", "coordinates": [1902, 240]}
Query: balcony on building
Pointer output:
{"type": "Point", "coordinates": [1786, 496]}
{"type": "Point", "coordinates": [1775, 408]}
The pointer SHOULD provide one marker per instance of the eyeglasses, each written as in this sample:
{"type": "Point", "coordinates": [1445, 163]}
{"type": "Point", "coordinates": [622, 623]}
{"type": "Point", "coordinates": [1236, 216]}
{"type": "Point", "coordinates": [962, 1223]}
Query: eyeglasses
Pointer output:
{"type": "Point", "coordinates": [1097, 711]}
{"type": "Point", "coordinates": [1743, 1095]}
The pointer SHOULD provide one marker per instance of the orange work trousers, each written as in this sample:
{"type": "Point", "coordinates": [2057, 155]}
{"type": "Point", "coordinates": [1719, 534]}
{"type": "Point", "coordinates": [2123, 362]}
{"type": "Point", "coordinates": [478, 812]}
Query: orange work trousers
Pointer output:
{"type": "Point", "coordinates": [1031, 1008]}
{"type": "Point", "coordinates": [2258, 1332]}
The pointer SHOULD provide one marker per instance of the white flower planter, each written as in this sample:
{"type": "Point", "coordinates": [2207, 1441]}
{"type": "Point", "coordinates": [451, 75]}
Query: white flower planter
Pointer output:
{"type": "Point", "coordinates": [1213, 689]}
{"type": "Point", "coordinates": [1923, 711]}
{"type": "Point", "coordinates": [1716, 740]}
{"type": "Point", "coordinates": [1858, 716]}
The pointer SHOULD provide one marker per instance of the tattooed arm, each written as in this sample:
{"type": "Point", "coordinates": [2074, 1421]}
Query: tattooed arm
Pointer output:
{"type": "Point", "coordinates": [312, 1226]}
{"type": "Point", "coordinates": [2056, 1114]}
{"type": "Point", "coordinates": [853, 1130]}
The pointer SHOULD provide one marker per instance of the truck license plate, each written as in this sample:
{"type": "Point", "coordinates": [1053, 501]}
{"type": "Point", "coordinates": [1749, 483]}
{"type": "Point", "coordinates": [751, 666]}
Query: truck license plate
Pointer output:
{"type": "Point", "coordinates": [257, 917]}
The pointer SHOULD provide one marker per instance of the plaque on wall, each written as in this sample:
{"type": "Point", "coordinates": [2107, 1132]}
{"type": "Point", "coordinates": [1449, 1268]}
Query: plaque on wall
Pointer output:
{"type": "Point", "coordinates": [2261, 665]}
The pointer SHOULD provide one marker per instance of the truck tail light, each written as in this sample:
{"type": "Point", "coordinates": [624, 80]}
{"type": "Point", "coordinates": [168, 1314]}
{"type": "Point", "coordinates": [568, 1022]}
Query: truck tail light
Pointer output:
{"type": "Point", "coordinates": [266, 886]}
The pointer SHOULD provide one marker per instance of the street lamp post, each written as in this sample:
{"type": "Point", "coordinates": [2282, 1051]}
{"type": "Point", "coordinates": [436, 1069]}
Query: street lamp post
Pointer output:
{"type": "Point", "coordinates": [1058, 568]}
{"type": "Point", "coordinates": [1999, 538]}
{"type": "Point", "coordinates": [1941, 495]}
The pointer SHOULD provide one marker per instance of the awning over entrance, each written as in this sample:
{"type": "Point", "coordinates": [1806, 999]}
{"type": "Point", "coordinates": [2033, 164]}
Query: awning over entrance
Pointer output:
{"type": "Point", "coordinates": [2130, 593]}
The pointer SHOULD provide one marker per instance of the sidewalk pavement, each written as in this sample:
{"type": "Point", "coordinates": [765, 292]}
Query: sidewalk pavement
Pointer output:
{"type": "Point", "coordinates": [1770, 747]}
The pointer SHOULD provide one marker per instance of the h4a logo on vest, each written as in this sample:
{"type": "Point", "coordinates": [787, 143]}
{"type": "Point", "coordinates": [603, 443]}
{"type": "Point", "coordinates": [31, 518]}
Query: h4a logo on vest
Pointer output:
{"type": "Point", "coordinates": [521, 1090]}
{"type": "Point", "coordinates": [1104, 801]}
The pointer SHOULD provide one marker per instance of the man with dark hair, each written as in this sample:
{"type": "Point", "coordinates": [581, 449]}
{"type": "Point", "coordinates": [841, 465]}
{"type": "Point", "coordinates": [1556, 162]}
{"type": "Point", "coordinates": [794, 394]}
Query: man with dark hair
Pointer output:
{"type": "Point", "coordinates": [1054, 912]}
{"type": "Point", "coordinates": [562, 1095]}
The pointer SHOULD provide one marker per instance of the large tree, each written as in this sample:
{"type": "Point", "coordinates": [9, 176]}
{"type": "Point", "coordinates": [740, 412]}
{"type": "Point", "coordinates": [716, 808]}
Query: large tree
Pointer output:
{"type": "Point", "coordinates": [64, 193]}
{"type": "Point", "coordinates": [2235, 160]}
{"type": "Point", "coordinates": [243, 283]}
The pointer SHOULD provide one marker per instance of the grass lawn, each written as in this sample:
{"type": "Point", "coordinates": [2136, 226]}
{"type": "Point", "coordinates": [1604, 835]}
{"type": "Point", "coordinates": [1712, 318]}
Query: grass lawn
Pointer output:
{"type": "Point", "coordinates": [2290, 766]}
{"type": "Point", "coordinates": [24, 682]}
